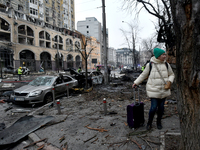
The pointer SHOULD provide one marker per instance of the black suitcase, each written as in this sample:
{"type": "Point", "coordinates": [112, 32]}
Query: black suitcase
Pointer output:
{"type": "Point", "coordinates": [135, 112]}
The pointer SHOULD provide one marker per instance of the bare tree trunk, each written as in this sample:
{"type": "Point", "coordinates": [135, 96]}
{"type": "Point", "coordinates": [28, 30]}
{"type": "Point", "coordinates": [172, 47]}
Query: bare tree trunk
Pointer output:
{"type": "Point", "coordinates": [186, 16]}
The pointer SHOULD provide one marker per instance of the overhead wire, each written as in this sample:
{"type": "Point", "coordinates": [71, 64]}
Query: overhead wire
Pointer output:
{"type": "Point", "coordinates": [87, 9]}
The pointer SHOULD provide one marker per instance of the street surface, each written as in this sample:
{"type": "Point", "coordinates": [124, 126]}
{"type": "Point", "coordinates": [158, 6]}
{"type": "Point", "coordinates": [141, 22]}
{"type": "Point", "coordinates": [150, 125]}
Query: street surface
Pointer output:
{"type": "Point", "coordinates": [82, 124]}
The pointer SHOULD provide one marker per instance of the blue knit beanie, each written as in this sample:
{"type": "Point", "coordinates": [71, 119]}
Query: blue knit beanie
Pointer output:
{"type": "Point", "coordinates": [157, 52]}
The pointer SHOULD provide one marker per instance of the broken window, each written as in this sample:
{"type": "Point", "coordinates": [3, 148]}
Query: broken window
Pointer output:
{"type": "Point", "coordinates": [29, 31]}
{"type": "Point", "coordinates": [69, 45]}
{"type": "Point", "coordinates": [44, 38]}
{"type": "Point", "coordinates": [33, 2]}
{"type": "Point", "coordinates": [45, 60]}
{"type": "Point", "coordinates": [30, 41]}
{"type": "Point", "coordinates": [33, 11]}
{"type": "Point", "coordinates": [58, 42]}
{"type": "Point", "coordinates": [4, 25]}
{"type": "Point", "coordinates": [25, 31]}
{"type": "Point", "coordinates": [69, 61]}
{"type": "Point", "coordinates": [77, 46]}
{"type": "Point", "coordinates": [78, 61]}
{"type": "Point", "coordinates": [20, 7]}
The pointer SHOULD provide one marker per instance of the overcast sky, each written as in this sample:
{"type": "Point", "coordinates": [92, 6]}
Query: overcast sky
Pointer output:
{"type": "Point", "coordinates": [114, 18]}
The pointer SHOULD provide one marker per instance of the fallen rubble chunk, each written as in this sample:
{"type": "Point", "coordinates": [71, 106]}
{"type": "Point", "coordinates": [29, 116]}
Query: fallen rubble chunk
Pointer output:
{"type": "Point", "coordinates": [22, 127]}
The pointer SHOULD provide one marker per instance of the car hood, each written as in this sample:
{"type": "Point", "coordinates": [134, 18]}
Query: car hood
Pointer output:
{"type": "Point", "coordinates": [30, 88]}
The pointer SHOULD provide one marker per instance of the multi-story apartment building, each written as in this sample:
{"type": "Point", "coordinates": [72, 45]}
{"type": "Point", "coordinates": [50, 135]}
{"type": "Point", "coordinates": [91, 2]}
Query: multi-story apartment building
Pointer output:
{"type": "Point", "coordinates": [112, 56]}
{"type": "Point", "coordinates": [92, 27]}
{"type": "Point", "coordinates": [38, 32]}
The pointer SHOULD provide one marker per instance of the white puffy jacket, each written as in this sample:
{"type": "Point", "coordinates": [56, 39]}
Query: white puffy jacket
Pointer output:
{"type": "Point", "coordinates": [155, 85]}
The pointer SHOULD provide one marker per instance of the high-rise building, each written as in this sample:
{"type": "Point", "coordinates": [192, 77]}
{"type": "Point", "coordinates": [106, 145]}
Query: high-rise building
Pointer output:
{"type": "Point", "coordinates": [92, 27]}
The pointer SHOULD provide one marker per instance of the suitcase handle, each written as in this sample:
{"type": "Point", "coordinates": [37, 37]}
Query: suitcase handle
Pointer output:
{"type": "Point", "coordinates": [134, 92]}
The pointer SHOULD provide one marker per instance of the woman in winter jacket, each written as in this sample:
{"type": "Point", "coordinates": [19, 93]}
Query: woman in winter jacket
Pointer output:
{"type": "Point", "coordinates": [155, 86]}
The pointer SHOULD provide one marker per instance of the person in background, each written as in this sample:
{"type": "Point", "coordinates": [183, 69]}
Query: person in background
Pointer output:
{"type": "Point", "coordinates": [79, 70]}
{"type": "Point", "coordinates": [98, 69]}
{"type": "Point", "coordinates": [109, 71]}
{"type": "Point", "coordinates": [143, 67]}
{"type": "Point", "coordinates": [155, 86]}
{"type": "Point", "coordinates": [19, 73]}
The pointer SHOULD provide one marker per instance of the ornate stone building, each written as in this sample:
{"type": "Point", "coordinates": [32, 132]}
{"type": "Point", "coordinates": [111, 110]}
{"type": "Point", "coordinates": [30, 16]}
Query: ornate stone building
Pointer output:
{"type": "Point", "coordinates": [36, 33]}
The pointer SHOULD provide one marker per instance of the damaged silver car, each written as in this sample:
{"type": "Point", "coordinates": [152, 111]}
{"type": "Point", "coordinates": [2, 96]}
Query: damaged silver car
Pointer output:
{"type": "Point", "coordinates": [41, 89]}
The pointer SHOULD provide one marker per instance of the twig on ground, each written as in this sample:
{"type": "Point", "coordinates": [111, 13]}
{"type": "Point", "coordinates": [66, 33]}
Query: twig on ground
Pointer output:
{"type": "Point", "coordinates": [35, 142]}
{"type": "Point", "coordinates": [136, 143]}
{"type": "Point", "coordinates": [61, 139]}
{"type": "Point", "coordinates": [100, 130]}
{"type": "Point", "coordinates": [94, 140]}
{"type": "Point", "coordinates": [89, 139]}
{"type": "Point", "coordinates": [146, 142]}
{"type": "Point", "coordinates": [41, 147]}
{"type": "Point", "coordinates": [165, 132]}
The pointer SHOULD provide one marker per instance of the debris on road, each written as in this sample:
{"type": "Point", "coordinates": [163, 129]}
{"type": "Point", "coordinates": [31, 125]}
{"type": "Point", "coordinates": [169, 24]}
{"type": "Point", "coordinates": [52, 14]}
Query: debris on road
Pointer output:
{"type": "Point", "coordinates": [90, 139]}
{"type": "Point", "coordinates": [100, 130]}
{"type": "Point", "coordinates": [35, 142]}
{"type": "Point", "coordinates": [22, 127]}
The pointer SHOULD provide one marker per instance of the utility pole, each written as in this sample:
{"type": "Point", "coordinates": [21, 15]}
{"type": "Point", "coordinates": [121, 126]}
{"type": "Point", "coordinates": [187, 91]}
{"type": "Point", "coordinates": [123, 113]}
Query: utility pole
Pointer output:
{"type": "Point", "coordinates": [104, 43]}
{"type": "Point", "coordinates": [58, 56]}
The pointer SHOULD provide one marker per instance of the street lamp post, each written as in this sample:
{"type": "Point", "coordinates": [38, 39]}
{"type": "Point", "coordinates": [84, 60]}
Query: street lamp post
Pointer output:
{"type": "Point", "coordinates": [58, 54]}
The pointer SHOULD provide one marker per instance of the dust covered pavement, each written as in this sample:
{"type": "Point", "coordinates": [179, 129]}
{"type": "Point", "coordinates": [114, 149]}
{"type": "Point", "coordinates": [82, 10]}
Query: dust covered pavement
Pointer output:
{"type": "Point", "coordinates": [83, 125]}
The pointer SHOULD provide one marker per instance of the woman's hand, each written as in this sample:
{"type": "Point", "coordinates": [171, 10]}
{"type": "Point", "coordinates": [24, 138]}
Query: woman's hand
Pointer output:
{"type": "Point", "coordinates": [134, 85]}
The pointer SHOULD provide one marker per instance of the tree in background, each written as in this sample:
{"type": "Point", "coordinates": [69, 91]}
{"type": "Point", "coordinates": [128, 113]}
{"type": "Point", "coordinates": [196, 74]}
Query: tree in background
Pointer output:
{"type": "Point", "coordinates": [85, 50]}
{"type": "Point", "coordinates": [130, 40]}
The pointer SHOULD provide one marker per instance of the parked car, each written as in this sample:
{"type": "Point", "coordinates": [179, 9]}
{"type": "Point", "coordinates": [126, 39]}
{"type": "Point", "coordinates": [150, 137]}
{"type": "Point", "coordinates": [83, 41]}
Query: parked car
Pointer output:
{"type": "Point", "coordinates": [97, 77]}
{"type": "Point", "coordinates": [40, 89]}
{"type": "Point", "coordinates": [80, 77]}
{"type": "Point", "coordinates": [12, 70]}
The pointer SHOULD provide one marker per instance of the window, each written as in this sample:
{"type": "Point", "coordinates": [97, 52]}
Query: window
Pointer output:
{"type": "Point", "coordinates": [33, 11]}
{"type": "Point", "coordinates": [87, 27]}
{"type": "Point", "coordinates": [20, 7]}
{"type": "Point", "coordinates": [87, 31]}
{"type": "Point", "coordinates": [33, 2]}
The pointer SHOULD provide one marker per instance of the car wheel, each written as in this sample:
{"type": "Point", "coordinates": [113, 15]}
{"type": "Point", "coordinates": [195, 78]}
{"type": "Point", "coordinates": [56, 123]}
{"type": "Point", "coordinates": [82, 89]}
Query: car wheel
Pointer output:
{"type": "Point", "coordinates": [48, 98]}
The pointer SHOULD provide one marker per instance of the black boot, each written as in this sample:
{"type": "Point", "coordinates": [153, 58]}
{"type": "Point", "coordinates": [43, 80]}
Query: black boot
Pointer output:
{"type": "Point", "coordinates": [159, 125]}
{"type": "Point", "coordinates": [149, 125]}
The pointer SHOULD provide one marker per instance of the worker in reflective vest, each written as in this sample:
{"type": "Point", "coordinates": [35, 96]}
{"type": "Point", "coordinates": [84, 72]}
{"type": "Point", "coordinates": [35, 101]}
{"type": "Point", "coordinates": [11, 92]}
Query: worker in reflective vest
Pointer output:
{"type": "Point", "coordinates": [19, 73]}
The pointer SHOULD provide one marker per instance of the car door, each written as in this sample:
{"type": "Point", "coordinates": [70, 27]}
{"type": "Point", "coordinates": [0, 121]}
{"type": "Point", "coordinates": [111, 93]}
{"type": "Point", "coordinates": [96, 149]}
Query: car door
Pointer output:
{"type": "Point", "coordinates": [100, 77]}
{"type": "Point", "coordinates": [60, 87]}
{"type": "Point", "coordinates": [94, 78]}
{"type": "Point", "coordinates": [68, 81]}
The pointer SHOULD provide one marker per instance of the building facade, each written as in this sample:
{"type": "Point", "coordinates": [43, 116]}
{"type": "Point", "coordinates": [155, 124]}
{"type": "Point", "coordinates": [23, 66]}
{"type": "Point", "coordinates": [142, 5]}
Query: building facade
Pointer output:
{"type": "Point", "coordinates": [112, 57]}
{"type": "Point", "coordinates": [39, 33]}
{"type": "Point", "coordinates": [92, 27]}
{"type": "Point", "coordinates": [124, 57]}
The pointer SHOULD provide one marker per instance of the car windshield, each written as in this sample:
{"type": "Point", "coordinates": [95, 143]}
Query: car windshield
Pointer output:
{"type": "Point", "coordinates": [41, 81]}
